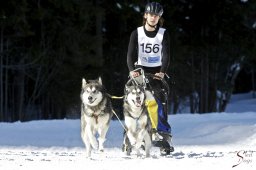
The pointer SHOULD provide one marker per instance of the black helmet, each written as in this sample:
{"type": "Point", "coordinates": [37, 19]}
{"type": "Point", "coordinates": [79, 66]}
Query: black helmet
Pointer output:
{"type": "Point", "coordinates": [154, 8]}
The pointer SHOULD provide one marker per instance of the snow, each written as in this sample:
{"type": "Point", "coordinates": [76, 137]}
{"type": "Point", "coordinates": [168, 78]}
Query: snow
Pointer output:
{"type": "Point", "coordinates": [208, 141]}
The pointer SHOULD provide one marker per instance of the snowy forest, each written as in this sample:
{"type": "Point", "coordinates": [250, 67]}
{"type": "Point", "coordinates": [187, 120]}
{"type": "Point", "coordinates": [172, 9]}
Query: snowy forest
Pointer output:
{"type": "Point", "coordinates": [48, 46]}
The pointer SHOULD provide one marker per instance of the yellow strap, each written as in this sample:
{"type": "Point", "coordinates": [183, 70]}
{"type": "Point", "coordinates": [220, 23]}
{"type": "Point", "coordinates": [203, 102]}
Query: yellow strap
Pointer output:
{"type": "Point", "coordinates": [152, 108]}
{"type": "Point", "coordinates": [117, 97]}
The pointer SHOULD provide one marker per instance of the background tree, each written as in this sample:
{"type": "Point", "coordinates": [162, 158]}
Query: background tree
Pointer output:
{"type": "Point", "coordinates": [46, 47]}
{"type": "Point", "coordinates": [212, 38]}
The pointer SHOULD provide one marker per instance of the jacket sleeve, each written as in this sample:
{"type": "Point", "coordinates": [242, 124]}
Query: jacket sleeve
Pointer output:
{"type": "Point", "coordinates": [166, 52]}
{"type": "Point", "coordinates": [132, 50]}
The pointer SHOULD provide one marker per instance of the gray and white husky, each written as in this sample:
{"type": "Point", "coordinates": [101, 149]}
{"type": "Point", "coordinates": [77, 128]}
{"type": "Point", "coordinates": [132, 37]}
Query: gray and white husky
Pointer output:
{"type": "Point", "coordinates": [136, 120]}
{"type": "Point", "coordinates": [96, 113]}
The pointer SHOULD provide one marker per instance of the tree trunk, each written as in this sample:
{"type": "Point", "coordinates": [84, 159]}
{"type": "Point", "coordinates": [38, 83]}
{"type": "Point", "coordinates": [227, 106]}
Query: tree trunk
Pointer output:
{"type": "Point", "coordinates": [19, 95]}
{"type": "Point", "coordinates": [213, 89]}
{"type": "Point", "coordinates": [99, 41]}
{"type": "Point", "coordinates": [176, 104]}
{"type": "Point", "coordinates": [193, 97]}
{"type": "Point", "coordinates": [204, 95]}
{"type": "Point", "coordinates": [7, 116]}
{"type": "Point", "coordinates": [253, 84]}
{"type": "Point", "coordinates": [1, 76]}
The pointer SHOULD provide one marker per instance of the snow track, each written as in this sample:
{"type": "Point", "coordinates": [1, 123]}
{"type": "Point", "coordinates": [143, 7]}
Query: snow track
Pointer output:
{"type": "Point", "coordinates": [208, 141]}
{"type": "Point", "coordinates": [74, 158]}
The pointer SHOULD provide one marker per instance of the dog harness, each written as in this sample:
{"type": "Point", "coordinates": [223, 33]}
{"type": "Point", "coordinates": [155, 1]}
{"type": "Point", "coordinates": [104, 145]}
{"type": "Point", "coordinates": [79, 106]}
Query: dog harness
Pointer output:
{"type": "Point", "coordinates": [150, 49]}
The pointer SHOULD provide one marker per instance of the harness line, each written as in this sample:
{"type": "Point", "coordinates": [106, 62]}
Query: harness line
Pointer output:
{"type": "Point", "coordinates": [119, 120]}
{"type": "Point", "coordinates": [115, 97]}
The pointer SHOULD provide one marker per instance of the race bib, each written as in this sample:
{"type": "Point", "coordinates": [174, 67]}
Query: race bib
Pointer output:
{"type": "Point", "coordinates": [150, 49]}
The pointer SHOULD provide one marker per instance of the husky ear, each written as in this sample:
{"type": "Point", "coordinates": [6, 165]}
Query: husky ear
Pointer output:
{"type": "Point", "coordinates": [100, 81]}
{"type": "Point", "coordinates": [83, 83]}
{"type": "Point", "coordinates": [126, 89]}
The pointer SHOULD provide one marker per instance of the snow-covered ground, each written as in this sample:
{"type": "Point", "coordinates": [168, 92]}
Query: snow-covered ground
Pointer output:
{"type": "Point", "coordinates": [208, 141]}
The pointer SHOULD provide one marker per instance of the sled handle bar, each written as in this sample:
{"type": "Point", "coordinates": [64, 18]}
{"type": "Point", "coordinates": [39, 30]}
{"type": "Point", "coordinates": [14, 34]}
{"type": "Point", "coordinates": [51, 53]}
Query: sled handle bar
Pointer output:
{"type": "Point", "coordinates": [149, 75]}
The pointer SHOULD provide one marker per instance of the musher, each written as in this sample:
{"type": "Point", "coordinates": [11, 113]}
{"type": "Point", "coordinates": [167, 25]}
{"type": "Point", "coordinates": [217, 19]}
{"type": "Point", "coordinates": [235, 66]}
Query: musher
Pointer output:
{"type": "Point", "coordinates": [149, 49]}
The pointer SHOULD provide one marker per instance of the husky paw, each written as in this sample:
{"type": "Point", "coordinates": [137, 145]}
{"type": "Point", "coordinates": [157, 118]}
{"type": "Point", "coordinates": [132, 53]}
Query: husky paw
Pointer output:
{"type": "Point", "coordinates": [95, 145]}
{"type": "Point", "coordinates": [132, 141]}
{"type": "Point", "coordinates": [147, 155]}
{"type": "Point", "coordinates": [101, 142]}
{"type": "Point", "coordinates": [139, 155]}
{"type": "Point", "coordinates": [88, 154]}
{"type": "Point", "coordinates": [138, 145]}
{"type": "Point", "coordinates": [101, 148]}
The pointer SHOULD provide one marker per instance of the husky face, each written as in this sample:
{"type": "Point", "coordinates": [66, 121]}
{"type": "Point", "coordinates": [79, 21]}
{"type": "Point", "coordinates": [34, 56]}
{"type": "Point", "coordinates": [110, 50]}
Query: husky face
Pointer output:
{"type": "Point", "coordinates": [92, 93]}
{"type": "Point", "coordinates": [135, 96]}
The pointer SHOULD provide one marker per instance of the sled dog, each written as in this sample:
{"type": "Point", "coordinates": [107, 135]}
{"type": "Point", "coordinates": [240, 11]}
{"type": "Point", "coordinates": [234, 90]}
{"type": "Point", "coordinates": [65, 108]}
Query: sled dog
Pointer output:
{"type": "Point", "coordinates": [96, 113]}
{"type": "Point", "coordinates": [136, 120]}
